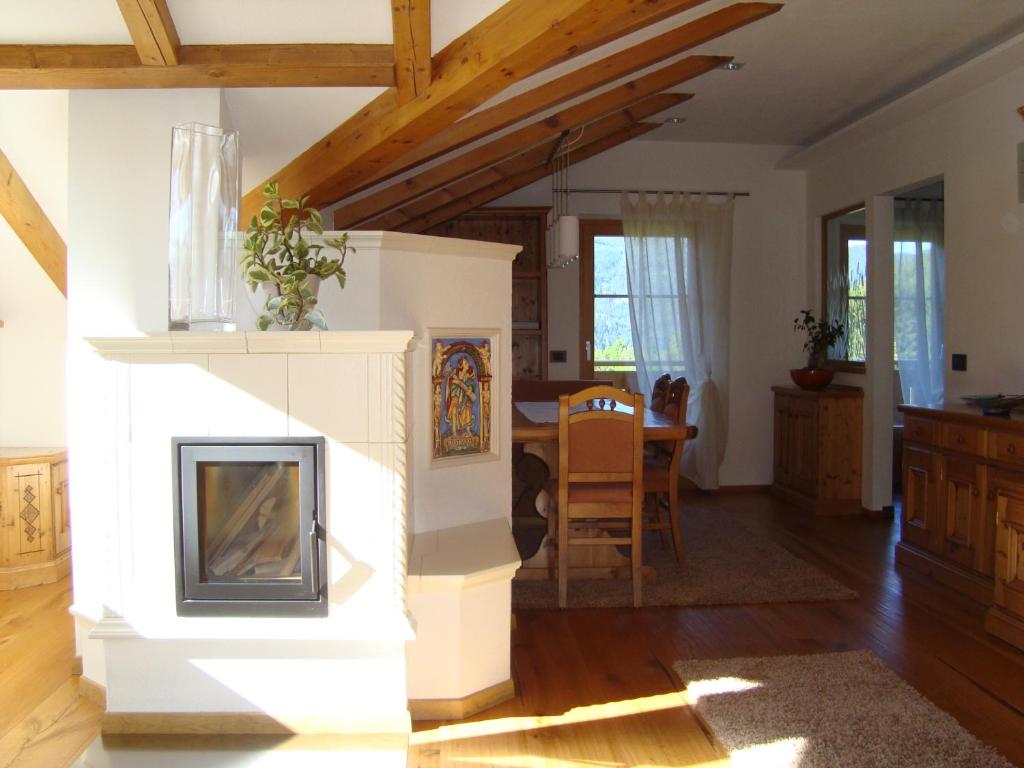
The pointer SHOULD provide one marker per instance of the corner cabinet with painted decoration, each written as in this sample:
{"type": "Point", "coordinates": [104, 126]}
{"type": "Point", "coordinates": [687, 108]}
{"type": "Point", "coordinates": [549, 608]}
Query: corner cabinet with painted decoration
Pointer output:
{"type": "Point", "coordinates": [516, 226]}
{"type": "Point", "coordinates": [963, 508]}
{"type": "Point", "coordinates": [35, 519]}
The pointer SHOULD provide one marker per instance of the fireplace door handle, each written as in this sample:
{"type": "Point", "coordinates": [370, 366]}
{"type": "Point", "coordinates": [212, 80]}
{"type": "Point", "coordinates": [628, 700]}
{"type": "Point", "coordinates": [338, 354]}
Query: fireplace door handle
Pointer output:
{"type": "Point", "coordinates": [314, 554]}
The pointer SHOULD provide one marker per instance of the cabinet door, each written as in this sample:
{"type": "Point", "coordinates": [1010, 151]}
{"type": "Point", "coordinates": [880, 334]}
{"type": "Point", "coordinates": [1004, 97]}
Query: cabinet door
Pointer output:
{"type": "Point", "coordinates": [920, 525]}
{"type": "Point", "coordinates": [1008, 498]}
{"type": "Point", "coordinates": [28, 514]}
{"type": "Point", "coordinates": [61, 510]}
{"type": "Point", "coordinates": [796, 445]}
{"type": "Point", "coordinates": [966, 537]}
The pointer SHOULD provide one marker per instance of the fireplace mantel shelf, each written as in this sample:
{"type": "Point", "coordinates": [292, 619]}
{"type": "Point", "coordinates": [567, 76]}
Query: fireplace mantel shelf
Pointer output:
{"type": "Point", "coordinates": [255, 342]}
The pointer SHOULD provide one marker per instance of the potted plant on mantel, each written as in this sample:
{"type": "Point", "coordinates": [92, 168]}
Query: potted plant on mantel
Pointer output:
{"type": "Point", "coordinates": [820, 336]}
{"type": "Point", "coordinates": [287, 266]}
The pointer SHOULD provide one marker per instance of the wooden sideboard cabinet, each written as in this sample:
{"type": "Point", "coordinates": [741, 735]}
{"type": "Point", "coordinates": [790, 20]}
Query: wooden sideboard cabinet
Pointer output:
{"type": "Point", "coordinates": [817, 448]}
{"type": "Point", "coordinates": [35, 522]}
{"type": "Point", "coordinates": [963, 508]}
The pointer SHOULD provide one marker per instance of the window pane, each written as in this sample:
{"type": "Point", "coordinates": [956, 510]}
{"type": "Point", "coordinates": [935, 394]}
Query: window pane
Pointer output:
{"type": "Point", "coordinates": [613, 339]}
{"type": "Point", "coordinates": [609, 265]}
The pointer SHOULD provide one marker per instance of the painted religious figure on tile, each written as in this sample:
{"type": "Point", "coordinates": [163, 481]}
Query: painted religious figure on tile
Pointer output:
{"type": "Point", "coordinates": [461, 396]}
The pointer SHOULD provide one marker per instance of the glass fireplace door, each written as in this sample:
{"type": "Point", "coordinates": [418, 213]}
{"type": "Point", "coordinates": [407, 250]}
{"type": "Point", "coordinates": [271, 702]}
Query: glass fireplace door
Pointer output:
{"type": "Point", "coordinates": [248, 526]}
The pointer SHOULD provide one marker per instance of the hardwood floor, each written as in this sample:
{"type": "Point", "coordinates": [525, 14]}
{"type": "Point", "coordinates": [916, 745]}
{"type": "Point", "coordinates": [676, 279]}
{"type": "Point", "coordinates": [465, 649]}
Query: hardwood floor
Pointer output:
{"type": "Point", "coordinates": [43, 721]}
{"type": "Point", "coordinates": [575, 659]}
{"type": "Point", "coordinates": [595, 687]}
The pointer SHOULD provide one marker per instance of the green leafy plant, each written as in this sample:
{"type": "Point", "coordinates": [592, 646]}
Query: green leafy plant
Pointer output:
{"type": "Point", "coordinates": [287, 264]}
{"type": "Point", "coordinates": [820, 336]}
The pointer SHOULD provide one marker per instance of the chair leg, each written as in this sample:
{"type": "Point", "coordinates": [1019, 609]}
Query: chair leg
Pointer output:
{"type": "Point", "coordinates": [673, 511]}
{"type": "Point", "coordinates": [563, 557]}
{"type": "Point", "coordinates": [637, 554]}
{"type": "Point", "coordinates": [659, 522]}
{"type": "Point", "coordinates": [552, 542]}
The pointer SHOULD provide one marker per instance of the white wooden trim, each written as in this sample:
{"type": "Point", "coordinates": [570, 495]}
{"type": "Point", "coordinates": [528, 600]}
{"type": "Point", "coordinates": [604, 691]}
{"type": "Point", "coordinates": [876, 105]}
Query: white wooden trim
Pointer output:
{"type": "Point", "coordinates": [254, 342]}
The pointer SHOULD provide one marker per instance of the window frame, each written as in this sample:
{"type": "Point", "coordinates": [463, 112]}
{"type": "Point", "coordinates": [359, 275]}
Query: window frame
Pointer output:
{"type": "Point", "coordinates": [590, 229]}
{"type": "Point", "coordinates": [846, 233]}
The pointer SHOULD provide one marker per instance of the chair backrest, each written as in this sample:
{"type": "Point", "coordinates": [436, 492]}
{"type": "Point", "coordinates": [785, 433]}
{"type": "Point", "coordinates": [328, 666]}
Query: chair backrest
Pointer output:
{"type": "Point", "coordinates": [598, 440]}
{"type": "Point", "coordinates": [675, 408]}
{"type": "Point", "coordinates": [533, 390]}
{"type": "Point", "coordinates": [659, 393]}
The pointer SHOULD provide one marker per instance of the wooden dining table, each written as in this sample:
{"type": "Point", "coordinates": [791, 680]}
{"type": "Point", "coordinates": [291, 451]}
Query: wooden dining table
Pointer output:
{"type": "Point", "coordinates": [537, 422]}
{"type": "Point", "coordinates": [535, 432]}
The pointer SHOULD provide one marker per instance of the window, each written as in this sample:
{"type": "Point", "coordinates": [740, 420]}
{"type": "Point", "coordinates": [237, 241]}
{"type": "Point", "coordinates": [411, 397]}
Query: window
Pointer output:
{"type": "Point", "coordinates": [844, 284]}
{"type": "Point", "coordinates": [606, 336]}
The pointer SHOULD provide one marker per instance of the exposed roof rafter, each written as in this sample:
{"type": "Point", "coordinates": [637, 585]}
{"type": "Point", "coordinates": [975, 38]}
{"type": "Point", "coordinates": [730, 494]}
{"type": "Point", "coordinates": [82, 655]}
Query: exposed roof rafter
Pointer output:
{"type": "Point", "coordinates": [32, 226]}
{"type": "Point", "coordinates": [152, 30]}
{"type": "Point", "coordinates": [518, 39]}
{"type": "Point", "coordinates": [589, 77]}
{"type": "Point", "coordinates": [199, 66]}
{"type": "Point", "coordinates": [500, 189]}
{"type": "Point", "coordinates": [511, 144]}
{"type": "Point", "coordinates": [410, 22]}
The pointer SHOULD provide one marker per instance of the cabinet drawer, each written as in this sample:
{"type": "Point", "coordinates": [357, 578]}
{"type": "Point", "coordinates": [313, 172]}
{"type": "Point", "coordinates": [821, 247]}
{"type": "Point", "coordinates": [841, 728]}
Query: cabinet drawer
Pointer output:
{"type": "Point", "coordinates": [1006, 446]}
{"type": "Point", "coordinates": [919, 430]}
{"type": "Point", "coordinates": [964, 438]}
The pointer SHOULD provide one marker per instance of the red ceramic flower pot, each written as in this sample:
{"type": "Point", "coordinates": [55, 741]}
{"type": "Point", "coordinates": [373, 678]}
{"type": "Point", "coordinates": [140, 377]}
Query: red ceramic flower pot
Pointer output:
{"type": "Point", "coordinates": [811, 378]}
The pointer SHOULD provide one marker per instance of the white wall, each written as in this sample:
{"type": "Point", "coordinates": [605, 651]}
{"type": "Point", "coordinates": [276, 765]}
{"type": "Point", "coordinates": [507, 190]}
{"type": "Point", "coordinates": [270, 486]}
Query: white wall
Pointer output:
{"type": "Point", "coordinates": [118, 188]}
{"type": "Point", "coordinates": [768, 276]}
{"type": "Point", "coordinates": [33, 135]}
{"type": "Point", "coordinates": [971, 141]}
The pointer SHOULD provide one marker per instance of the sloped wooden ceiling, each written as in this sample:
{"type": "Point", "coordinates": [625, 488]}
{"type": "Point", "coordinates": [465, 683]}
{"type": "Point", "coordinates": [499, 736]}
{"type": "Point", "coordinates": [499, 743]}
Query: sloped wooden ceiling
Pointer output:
{"type": "Point", "coordinates": [392, 136]}
{"type": "Point", "coordinates": [422, 116]}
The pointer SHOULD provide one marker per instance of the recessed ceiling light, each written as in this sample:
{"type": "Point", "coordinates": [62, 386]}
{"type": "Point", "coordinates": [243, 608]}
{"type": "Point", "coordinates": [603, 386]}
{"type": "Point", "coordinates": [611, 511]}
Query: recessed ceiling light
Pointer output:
{"type": "Point", "coordinates": [733, 66]}
{"type": "Point", "coordinates": [675, 120]}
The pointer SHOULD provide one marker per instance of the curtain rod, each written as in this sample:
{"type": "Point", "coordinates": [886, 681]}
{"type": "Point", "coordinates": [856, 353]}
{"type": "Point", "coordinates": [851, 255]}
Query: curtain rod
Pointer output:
{"type": "Point", "coordinates": [597, 191]}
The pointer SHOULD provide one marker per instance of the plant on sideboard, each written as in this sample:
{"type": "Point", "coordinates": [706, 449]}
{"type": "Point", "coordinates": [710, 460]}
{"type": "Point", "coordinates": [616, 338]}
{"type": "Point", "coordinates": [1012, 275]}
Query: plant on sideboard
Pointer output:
{"type": "Point", "coordinates": [288, 265]}
{"type": "Point", "coordinates": [821, 334]}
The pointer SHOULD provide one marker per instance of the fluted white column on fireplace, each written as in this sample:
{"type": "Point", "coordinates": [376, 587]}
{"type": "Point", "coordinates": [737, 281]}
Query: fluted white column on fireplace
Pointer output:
{"type": "Point", "coordinates": [344, 672]}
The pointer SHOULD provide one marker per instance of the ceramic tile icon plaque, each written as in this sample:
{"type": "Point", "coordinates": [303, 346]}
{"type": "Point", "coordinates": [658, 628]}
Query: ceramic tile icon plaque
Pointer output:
{"type": "Point", "coordinates": [462, 418]}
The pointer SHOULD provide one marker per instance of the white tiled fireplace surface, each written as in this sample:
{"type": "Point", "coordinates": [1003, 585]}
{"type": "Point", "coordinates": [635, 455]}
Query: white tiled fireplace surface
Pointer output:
{"type": "Point", "coordinates": [342, 673]}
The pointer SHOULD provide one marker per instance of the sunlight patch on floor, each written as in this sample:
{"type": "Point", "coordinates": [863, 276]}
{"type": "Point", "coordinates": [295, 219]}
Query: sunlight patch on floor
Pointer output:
{"type": "Point", "coordinates": [576, 715]}
{"type": "Point", "coordinates": [784, 753]}
{"type": "Point", "coordinates": [699, 689]}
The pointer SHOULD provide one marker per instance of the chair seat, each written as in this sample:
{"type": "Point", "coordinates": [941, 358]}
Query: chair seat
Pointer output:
{"type": "Point", "coordinates": [594, 493]}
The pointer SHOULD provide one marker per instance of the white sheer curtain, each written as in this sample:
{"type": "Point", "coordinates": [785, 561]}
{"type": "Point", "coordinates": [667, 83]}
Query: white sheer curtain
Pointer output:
{"type": "Point", "coordinates": [919, 263]}
{"type": "Point", "coordinates": [678, 262]}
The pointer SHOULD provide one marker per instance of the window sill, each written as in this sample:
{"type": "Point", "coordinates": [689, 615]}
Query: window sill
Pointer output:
{"type": "Point", "coordinates": [845, 366]}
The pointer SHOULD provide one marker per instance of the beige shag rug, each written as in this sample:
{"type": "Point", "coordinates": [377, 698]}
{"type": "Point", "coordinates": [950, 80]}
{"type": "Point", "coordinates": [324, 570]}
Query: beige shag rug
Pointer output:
{"type": "Point", "coordinates": [829, 710]}
{"type": "Point", "coordinates": [726, 564]}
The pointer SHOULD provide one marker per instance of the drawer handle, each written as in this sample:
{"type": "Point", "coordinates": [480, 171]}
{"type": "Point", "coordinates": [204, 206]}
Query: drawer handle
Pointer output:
{"type": "Point", "coordinates": [960, 439]}
{"type": "Point", "coordinates": [1011, 449]}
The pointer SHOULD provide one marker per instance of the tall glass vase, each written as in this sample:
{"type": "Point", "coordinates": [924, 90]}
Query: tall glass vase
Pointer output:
{"type": "Point", "coordinates": [205, 198]}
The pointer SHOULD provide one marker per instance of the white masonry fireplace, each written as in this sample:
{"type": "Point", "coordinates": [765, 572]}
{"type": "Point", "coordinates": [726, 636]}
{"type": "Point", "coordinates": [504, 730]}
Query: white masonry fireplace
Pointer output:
{"type": "Point", "coordinates": [263, 542]}
{"type": "Point", "coordinates": [267, 538]}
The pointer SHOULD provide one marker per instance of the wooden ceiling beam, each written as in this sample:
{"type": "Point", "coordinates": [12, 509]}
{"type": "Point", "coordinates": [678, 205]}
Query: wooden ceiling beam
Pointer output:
{"type": "Point", "coordinates": [152, 29]}
{"type": "Point", "coordinates": [527, 161]}
{"type": "Point", "coordinates": [520, 38]}
{"type": "Point", "coordinates": [410, 22]}
{"type": "Point", "coordinates": [578, 82]}
{"type": "Point", "coordinates": [511, 144]}
{"type": "Point", "coordinates": [199, 66]}
{"type": "Point", "coordinates": [31, 225]}
{"type": "Point", "coordinates": [502, 188]}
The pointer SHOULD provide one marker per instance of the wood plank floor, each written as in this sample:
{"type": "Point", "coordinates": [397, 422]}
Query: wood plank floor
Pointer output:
{"type": "Point", "coordinates": [43, 721]}
{"type": "Point", "coordinates": [583, 661]}
{"type": "Point", "coordinates": [596, 687]}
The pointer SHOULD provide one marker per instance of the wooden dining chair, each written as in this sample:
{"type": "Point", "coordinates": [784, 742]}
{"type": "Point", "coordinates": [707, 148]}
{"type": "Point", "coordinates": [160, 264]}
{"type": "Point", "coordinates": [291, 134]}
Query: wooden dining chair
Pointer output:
{"type": "Point", "coordinates": [600, 477]}
{"type": "Point", "coordinates": [661, 472]}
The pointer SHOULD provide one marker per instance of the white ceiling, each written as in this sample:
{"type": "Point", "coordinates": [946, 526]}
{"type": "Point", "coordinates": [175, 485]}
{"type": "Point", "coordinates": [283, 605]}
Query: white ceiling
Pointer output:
{"type": "Point", "coordinates": [811, 69]}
